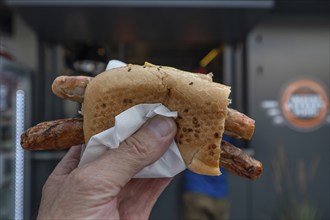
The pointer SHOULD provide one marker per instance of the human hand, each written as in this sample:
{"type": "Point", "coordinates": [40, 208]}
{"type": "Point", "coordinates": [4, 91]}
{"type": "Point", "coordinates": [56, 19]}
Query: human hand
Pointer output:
{"type": "Point", "coordinates": [104, 188]}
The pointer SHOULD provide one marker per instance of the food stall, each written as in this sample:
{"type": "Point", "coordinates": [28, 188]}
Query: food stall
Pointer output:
{"type": "Point", "coordinates": [259, 53]}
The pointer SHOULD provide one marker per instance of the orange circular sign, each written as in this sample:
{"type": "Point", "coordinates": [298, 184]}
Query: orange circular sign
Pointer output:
{"type": "Point", "coordinates": [305, 104]}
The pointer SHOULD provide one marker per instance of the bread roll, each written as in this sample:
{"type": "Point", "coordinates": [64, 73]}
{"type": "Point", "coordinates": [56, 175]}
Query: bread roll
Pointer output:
{"type": "Point", "coordinates": [201, 106]}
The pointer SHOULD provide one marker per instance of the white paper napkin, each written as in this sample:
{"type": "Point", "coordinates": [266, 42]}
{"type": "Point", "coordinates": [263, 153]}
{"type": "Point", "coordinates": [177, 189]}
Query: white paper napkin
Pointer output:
{"type": "Point", "coordinates": [127, 123]}
{"type": "Point", "coordinates": [115, 64]}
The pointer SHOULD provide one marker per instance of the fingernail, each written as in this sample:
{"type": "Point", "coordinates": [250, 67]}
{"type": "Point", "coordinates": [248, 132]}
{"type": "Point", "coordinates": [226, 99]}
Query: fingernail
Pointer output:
{"type": "Point", "coordinates": [161, 126]}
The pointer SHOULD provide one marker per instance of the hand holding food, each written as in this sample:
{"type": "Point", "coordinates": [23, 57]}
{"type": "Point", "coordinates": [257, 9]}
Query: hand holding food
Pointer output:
{"type": "Point", "coordinates": [203, 115]}
{"type": "Point", "coordinates": [104, 189]}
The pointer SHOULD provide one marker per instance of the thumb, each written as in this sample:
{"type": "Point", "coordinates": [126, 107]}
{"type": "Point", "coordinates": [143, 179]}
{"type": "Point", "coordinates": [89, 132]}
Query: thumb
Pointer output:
{"type": "Point", "coordinates": [141, 149]}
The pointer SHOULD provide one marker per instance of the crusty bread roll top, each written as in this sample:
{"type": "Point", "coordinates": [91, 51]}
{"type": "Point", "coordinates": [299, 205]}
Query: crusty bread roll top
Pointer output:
{"type": "Point", "coordinates": [201, 106]}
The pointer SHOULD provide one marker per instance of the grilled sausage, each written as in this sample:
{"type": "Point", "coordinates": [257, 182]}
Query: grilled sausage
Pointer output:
{"type": "Point", "coordinates": [64, 133]}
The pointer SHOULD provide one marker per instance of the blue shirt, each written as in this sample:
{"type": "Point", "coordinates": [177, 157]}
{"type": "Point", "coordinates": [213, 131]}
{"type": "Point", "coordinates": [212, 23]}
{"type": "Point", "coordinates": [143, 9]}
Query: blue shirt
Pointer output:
{"type": "Point", "coordinates": [213, 186]}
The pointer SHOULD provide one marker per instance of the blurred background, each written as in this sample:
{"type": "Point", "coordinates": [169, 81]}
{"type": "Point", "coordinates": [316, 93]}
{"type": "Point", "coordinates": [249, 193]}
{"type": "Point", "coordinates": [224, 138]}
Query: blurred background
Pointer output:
{"type": "Point", "coordinates": [274, 54]}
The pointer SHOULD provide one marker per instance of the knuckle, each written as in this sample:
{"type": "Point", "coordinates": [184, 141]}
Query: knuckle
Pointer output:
{"type": "Point", "coordinates": [82, 180]}
{"type": "Point", "coordinates": [139, 149]}
{"type": "Point", "coordinates": [79, 177]}
{"type": "Point", "coordinates": [88, 179]}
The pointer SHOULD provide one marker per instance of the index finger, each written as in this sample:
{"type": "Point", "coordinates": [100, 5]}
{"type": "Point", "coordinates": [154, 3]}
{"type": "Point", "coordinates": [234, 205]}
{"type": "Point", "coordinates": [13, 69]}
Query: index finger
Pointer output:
{"type": "Point", "coordinates": [69, 162]}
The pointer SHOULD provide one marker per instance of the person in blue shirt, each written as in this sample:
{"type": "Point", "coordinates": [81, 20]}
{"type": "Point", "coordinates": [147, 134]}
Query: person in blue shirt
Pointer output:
{"type": "Point", "coordinates": [206, 197]}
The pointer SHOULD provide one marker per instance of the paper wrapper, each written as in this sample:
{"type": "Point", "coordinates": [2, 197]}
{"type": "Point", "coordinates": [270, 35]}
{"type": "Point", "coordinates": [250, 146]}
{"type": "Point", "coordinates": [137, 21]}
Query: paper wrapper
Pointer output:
{"type": "Point", "coordinates": [126, 124]}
